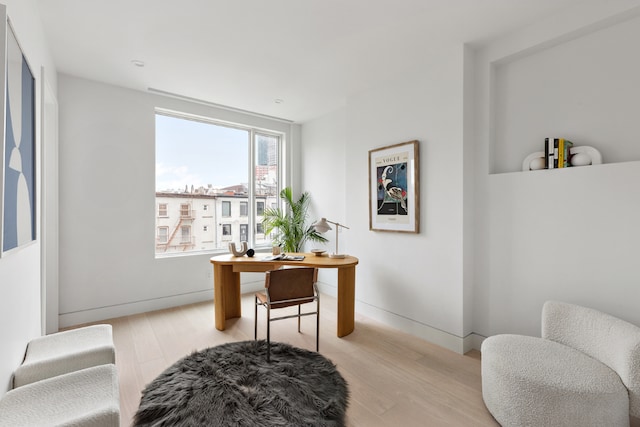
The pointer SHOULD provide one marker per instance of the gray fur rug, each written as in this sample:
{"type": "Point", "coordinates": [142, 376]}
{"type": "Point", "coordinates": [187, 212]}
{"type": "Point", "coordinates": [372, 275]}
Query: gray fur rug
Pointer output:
{"type": "Point", "coordinates": [233, 385]}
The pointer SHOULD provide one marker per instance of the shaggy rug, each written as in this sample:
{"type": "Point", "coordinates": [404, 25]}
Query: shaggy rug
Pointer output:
{"type": "Point", "coordinates": [233, 385]}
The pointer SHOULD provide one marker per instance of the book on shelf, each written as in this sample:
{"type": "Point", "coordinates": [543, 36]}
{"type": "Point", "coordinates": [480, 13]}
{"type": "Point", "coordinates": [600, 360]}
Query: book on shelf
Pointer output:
{"type": "Point", "coordinates": [564, 153]}
{"type": "Point", "coordinates": [557, 153]}
{"type": "Point", "coordinates": [549, 153]}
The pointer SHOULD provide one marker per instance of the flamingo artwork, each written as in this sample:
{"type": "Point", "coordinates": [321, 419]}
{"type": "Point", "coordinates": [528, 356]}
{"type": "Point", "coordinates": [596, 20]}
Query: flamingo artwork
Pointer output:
{"type": "Point", "coordinates": [393, 193]}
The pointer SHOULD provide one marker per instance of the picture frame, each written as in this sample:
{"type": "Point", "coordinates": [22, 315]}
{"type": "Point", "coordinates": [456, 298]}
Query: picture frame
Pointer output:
{"type": "Point", "coordinates": [18, 147]}
{"type": "Point", "coordinates": [394, 188]}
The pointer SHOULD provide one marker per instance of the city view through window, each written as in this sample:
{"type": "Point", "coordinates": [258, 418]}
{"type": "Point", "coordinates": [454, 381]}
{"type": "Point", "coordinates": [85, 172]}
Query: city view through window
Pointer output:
{"type": "Point", "coordinates": [213, 183]}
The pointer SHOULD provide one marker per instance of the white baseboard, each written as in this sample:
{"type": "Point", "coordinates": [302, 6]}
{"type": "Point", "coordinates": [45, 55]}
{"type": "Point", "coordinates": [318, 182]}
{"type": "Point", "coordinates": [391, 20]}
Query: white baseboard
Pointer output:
{"type": "Point", "coordinates": [410, 326]}
{"type": "Point", "coordinates": [127, 309]}
{"type": "Point", "coordinates": [436, 336]}
{"type": "Point", "coordinates": [452, 342]}
{"type": "Point", "coordinates": [473, 341]}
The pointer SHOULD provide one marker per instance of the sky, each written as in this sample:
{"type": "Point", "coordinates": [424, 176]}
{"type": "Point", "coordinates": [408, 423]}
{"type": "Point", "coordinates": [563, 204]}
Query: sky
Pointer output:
{"type": "Point", "coordinates": [195, 153]}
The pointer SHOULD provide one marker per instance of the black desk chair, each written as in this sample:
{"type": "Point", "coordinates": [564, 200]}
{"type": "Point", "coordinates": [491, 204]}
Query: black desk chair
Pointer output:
{"type": "Point", "coordinates": [287, 287]}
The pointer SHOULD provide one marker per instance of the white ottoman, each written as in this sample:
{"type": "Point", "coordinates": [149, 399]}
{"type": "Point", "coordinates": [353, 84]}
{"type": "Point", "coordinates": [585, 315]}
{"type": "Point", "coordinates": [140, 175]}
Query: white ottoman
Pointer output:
{"type": "Point", "coordinates": [65, 352]}
{"type": "Point", "coordinates": [88, 397]}
{"type": "Point", "coordinates": [530, 381]}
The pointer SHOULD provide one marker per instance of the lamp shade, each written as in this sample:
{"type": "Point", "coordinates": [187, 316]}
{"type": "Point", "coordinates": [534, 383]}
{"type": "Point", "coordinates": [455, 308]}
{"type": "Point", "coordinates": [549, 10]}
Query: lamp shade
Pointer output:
{"type": "Point", "coordinates": [322, 226]}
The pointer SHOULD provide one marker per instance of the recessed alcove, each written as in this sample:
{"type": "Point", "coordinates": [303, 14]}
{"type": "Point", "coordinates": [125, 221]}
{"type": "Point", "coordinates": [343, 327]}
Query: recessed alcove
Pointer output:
{"type": "Point", "coordinates": [584, 87]}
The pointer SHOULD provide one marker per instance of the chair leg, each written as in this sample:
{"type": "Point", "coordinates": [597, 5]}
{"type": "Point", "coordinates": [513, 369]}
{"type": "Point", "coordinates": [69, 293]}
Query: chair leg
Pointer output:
{"type": "Point", "coordinates": [268, 334]}
{"type": "Point", "coordinates": [318, 326]}
{"type": "Point", "coordinates": [298, 318]}
{"type": "Point", "coordinates": [255, 320]}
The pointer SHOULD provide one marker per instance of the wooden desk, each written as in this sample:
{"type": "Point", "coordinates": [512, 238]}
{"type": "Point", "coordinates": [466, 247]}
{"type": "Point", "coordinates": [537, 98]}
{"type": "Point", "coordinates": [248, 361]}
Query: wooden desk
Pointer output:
{"type": "Point", "coordinates": [226, 281]}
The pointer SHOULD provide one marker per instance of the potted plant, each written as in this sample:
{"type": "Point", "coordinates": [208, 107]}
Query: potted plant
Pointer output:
{"type": "Point", "coordinates": [288, 226]}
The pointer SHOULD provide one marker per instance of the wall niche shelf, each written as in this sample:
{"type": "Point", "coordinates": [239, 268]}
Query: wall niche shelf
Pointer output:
{"type": "Point", "coordinates": [584, 87]}
{"type": "Point", "coordinates": [581, 156]}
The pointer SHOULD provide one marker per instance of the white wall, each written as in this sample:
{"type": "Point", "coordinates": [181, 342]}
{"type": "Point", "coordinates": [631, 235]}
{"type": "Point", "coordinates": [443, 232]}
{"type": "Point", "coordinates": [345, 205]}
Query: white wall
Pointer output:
{"type": "Point", "coordinates": [107, 204]}
{"type": "Point", "coordinates": [483, 262]}
{"type": "Point", "coordinates": [323, 175]}
{"type": "Point", "coordinates": [567, 234]}
{"type": "Point", "coordinates": [469, 197]}
{"type": "Point", "coordinates": [20, 310]}
{"type": "Point", "coordinates": [411, 281]}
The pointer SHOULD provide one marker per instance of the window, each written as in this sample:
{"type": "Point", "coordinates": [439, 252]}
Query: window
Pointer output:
{"type": "Point", "coordinates": [266, 149]}
{"type": "Point", "coordinates": [226, 209]}
{"type": "Point", "coordinates": [185, 234]}
{"type": "Point", "coordinates": [163, 234]}
{"type": "Point", "coordinates": [162, 210]}
{"type": "Point", "coordinates": [214, 166]}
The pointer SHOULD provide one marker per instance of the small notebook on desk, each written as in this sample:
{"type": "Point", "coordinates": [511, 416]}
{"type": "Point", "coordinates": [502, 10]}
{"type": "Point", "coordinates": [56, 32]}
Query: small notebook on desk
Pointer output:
{"type": "Point", "coordinates": [284, 257]}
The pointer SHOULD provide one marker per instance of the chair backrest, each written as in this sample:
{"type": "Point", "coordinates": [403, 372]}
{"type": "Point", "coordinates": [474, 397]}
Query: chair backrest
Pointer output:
{"type": "Point", "coordinates": [612, 341]}
{"type": "Point", "coordinates": [291, 283]}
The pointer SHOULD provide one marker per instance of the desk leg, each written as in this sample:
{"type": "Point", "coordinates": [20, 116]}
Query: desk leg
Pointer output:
{"type": "Point", "coordinates": [346, 300]}
{"type": "Point", "coordinates": [226, 294]}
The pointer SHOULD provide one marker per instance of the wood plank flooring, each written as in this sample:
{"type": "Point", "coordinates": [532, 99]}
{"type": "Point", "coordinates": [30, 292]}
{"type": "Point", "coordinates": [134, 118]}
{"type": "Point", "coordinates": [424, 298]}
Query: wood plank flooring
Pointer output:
{"type": "Point", "coordinates": [394, 379]}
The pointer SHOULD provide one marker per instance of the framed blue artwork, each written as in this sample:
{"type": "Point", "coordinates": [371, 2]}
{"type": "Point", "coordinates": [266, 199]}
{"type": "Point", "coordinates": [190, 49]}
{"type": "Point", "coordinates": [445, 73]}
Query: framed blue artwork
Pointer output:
{"type": "Point", "coordinates": [394, 188]}
{"type": "Point", "coordinates": [19, 160]}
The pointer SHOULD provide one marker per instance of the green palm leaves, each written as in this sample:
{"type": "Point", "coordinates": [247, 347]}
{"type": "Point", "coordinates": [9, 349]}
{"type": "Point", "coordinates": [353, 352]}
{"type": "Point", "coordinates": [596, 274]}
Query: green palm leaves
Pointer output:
{"type": "Point", "coordinates": [287, 226]}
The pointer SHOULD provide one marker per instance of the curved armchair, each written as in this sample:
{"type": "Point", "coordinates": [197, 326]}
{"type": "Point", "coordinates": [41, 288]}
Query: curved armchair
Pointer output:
{"type": "Point", "coordinates": [584, 371]}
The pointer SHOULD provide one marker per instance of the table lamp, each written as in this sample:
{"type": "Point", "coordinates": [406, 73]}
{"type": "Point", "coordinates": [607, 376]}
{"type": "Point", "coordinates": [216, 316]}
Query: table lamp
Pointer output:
{"type": "Point", "coordinates": [323, 226]}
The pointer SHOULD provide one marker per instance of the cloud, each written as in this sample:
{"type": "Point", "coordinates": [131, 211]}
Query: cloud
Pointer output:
{"type": "Point", "coordinates": [175, 177]}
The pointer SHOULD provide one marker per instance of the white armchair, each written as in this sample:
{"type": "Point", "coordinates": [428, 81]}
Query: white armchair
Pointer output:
{"type": "Point", "coordinates": [584, 371]}
{"type": "Point", "coordinates": [66, 379]}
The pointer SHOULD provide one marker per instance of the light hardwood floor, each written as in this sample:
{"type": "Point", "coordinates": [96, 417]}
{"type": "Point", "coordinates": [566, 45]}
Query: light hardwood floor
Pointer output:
{"type": "Point", "coordinates": [394, 379]}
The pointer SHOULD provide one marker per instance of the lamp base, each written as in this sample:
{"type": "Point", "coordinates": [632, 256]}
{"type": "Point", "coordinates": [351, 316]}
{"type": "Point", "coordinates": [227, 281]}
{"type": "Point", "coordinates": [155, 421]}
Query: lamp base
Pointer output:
{"type": "Point", "coordinates": [337, 255]}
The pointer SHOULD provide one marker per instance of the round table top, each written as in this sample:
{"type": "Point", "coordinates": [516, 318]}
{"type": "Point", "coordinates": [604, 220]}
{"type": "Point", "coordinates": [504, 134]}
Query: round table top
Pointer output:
{"type": "Point", "coordinates": [310, 259]}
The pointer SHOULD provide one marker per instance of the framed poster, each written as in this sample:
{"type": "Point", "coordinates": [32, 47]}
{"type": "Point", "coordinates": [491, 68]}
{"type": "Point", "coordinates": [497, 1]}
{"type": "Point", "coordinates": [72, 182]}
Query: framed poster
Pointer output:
{"type": "Point", "coordinates": [394, 196]}
{"type": "Point", "coordinates": [18, 197]}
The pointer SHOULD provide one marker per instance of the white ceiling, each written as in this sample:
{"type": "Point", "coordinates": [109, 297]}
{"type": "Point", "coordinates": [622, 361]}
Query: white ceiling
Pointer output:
{"type": "Point", "coordinates": [312, 54]}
